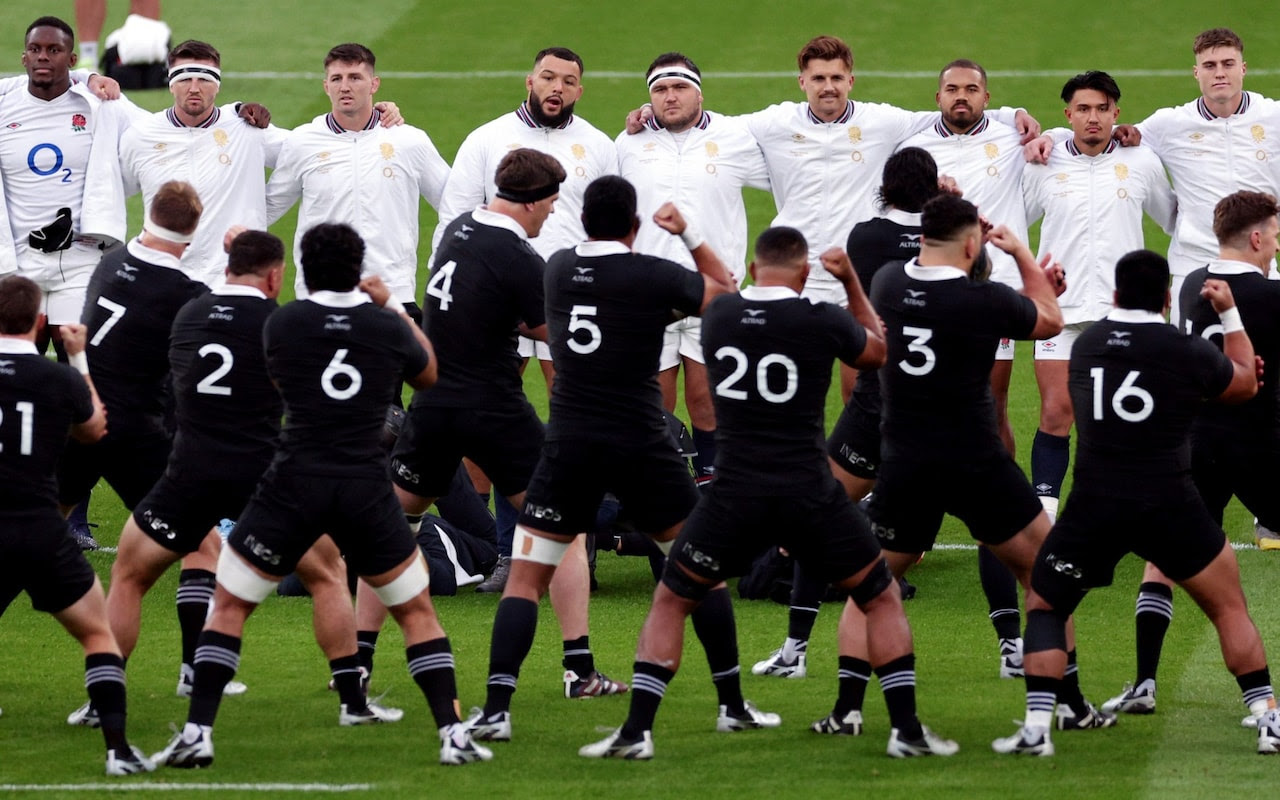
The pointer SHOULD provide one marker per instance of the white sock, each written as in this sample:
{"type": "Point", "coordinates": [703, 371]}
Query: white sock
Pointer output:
{"type": "Point", "coordinates": [89, 55]}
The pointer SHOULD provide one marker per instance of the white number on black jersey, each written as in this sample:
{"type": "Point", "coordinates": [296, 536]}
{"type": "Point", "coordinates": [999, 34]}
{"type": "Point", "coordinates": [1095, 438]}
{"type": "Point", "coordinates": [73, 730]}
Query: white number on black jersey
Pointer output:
{"type": "Point", "coordinates": [919, 336]}
{"type": "Point", "coordinates": [1207, 333]}
{"type": "Point", "coordinates": [209, 385]}
{"type": "Point", "coordinates": [1127, 390]}
{"type": "Point", "coordinates": [337, 367]}
{"type": "Point", "coordinates": [577, 323]}
{"type": "Point", "coordinates": [28, 411]}
{"type": "Point", "coordinates": [441, 284]}
{"type": "Point", "coordinates": [117, 312]}
{"type": "Point", "coordinates": [725, 387]}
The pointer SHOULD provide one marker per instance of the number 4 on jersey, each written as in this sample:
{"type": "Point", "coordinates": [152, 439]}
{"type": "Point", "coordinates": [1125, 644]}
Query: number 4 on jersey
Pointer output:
{"type": "Point", "coordinates": [441, 284]}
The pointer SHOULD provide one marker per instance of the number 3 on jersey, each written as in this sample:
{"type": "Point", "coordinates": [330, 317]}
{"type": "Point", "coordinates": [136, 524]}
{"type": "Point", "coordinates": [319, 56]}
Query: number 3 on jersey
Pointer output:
{"type": "Point", "coordinates": [725, 387]}
{"type": "Point", "coordinates": [441, 284]}
{"type": "Point", "coordinates": [918, 345]}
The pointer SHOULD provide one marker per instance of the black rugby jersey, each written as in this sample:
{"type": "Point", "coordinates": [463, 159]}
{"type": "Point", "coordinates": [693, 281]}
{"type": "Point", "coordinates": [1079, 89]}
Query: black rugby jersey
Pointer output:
{"type": "Point", "coordinates": [226, 409]}
{"type": "Point", "coordinates": [607, 309]}
{"type": "Point", "coordinates": [872, 245]}
{"type": "Point", "coordinates": [942, 329]}
{"type": "Point", "coordinates": [338, 361]}
{"type": "Point", "coordinates": [486, 280]}
{"type": "Point", "coordinates": [769, 354]}
{"type": "Point", "coordinates": [1137, 384]}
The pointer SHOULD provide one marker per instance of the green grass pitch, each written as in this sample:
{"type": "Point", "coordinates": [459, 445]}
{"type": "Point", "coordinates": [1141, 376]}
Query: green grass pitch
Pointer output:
{"type": "Point", "coordinates": [434, 57]}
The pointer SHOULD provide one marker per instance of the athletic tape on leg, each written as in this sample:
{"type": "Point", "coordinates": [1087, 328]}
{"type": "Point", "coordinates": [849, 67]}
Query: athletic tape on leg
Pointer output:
{"type": "Point", "coordinates": [407, 585]}
{"type": "Point", "coordinates": [666, 546]}
{"type": "Point", "coordinates": [540, 550]}
{"type": "Point", "coordinates": [236, 576]}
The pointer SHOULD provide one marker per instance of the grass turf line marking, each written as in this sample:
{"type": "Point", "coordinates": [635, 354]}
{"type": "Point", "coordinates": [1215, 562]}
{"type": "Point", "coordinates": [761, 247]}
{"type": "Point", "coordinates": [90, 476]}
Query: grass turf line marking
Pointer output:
{"type": "Point", "coordinates": [330, 788]}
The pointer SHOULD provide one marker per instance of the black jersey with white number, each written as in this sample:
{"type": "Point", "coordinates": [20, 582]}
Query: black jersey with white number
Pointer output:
{"type": "Point", "coordinates": [769, 355]}
{"type": "Point", "coordinates": [942, 329]}
{"type": "Point", "coordinates": [129, 309]}
{"type": "Point", "coordinates": [1136, 387]}
{"type": "Point", "coordinates": [338, 361]}
{"type": "Point", "coordinates": [874, 244]}
{"type": "Point", "coordinates": [1257, 421]}
{"type": "Point", "coordinates": [227, 411]}
{"type": "Point", "coordinates": [607, 310]}
{"type": "Point", "coordinates": [486, 280]}
{"type": "Point", "coordinates": [39, 400]}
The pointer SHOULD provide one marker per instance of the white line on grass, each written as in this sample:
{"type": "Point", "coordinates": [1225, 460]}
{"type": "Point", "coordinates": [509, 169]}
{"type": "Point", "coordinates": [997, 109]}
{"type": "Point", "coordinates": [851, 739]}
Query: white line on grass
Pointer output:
{"type": "Point", "coordinates": [330, 788]}
{"type": "Point", "coordinates": [948, 546]}
{"type": "Point", "coordinates": [892, 74]}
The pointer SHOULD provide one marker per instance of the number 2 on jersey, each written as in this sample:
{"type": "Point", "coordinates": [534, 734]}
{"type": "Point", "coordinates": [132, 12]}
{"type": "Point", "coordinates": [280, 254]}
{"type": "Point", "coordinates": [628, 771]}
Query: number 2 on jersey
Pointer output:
{"type": "Point", "coordinates": [27, 410]}
{"type": "Point", "coordinates": [209, 384]}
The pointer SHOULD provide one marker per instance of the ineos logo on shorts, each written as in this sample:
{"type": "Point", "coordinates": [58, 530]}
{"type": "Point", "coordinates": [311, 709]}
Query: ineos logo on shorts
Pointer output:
{"type": "Point", "coordinates": [883, 532]}
{"type": "Point", "coordinates": [1063, 567]}
{"type": "Point", "coordinates": [261, 551]}
{"type": "Point", "coordinates": [700, 558]}
{"type": "Point", "coordinates": [404, 472]}
{"type": "Point", "coordinates": [542, 512]}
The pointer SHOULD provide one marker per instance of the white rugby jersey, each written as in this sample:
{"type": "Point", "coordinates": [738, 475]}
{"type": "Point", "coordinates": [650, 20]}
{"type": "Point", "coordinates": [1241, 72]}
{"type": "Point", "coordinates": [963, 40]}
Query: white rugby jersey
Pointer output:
{"type": "Point", "coordinates": [702, 171]}
{"type": "Point", "coordinates": [583, 151]}
{"type": "Point", "coordinates": [224, 159]}
{"type": "Point", "coordinates": [370, 179]}
{"type": "Point", "coordinates": [986, 162]}
{"type": "Point", "coordinates": [56, 154]}
{"type": "Point", "coordinates": [1209, 157]}
{"type": "Point", "coordinates": [1092, 208]}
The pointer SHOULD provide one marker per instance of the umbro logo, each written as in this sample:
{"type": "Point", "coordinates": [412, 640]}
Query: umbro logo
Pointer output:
{"type": "Point", "coordinates": [223, 309]}
{"type": "Point", "coordinates": [13, 126]}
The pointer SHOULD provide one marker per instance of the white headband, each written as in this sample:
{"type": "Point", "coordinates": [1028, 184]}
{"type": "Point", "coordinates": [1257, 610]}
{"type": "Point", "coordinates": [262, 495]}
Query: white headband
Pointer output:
{"type": "Point", "coordinates": [162, 232]}
{"type": "Point", "coordinates": [200, 72]}
{"type": "Point", "coordinates": [674, 71]}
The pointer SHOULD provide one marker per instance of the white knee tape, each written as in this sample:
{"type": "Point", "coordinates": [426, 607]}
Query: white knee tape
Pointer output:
{"type": "Point", "coordinates": [236, 576]}
{"type": "Point", "coordinates": [538, 549]}
{"type": "Point", "coordinates": [405, 586]}
{"type": "Point", "coordinates": [665, 547]}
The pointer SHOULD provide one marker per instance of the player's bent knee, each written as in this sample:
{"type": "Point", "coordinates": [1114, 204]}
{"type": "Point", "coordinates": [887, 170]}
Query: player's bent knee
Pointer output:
{"type": "Point", "coordinates": [876, 582]}
{"type": "Point", "coordinates": [683, 584]}
{"type": "Point", "coordinates": [242, 581]}
{"type": "Point", "coordinates": [538, 549]}
{"type": "Point", "coordinates": [1046, 630]}
{"type": "Point", "coordinates": [410, 583]}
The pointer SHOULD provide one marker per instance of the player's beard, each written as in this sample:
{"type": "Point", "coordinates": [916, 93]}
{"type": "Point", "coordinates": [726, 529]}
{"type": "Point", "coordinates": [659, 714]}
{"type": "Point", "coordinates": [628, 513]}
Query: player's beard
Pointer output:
{"type": "Point", "coordinates": [542, 118]}
{"type": "Point", "coordinates": [967, 118]}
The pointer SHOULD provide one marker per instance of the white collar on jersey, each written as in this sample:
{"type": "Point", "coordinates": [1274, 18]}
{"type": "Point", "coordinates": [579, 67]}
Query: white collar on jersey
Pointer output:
{"type": "Point", "coordinates": [903, 217]}
{"type": "Point", "coordinates": [754, 292]}
{"type": "Point", "coordinates": [938, 273]}
{"type": "Point", "coordinates": [495, 220]}
{"type": "Point", "coordinates": [1135, 315]}
{"type": "Point", "coordinates": [333, 299]}
{"type": "Point", "coordinates": [1223, 266]}
{"type": "Point", "coordinates": [158, 258]}
{"type": "Point", "coordinates": [601, 247]}
{"type": "Point", "coordinates": [239, 290]}
{"type": "Point", "coordinates": [13, 346]}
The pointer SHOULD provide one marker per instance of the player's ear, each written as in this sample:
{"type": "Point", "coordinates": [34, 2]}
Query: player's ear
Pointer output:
{"type": "Point", "coordinates": [751, 270]}
{"type": "Point", "coordinates": [635, 225]}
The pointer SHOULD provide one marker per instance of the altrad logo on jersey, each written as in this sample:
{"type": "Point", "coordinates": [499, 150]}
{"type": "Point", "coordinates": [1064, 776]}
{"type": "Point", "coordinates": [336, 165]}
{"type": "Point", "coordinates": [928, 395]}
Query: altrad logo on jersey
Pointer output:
{"type": "Point", "coordinates": [1119, 339]}
{"type": "Point", "coordinates": [223, 313]}
{"type": "Point", "coordinates": [6, 368]}
{"type": "Point", "coordinates": [126, 272]}
{"type": "Point", "coordinates": [337, 322]}
{"type": "Point", "coordinates": [584, 275]}
{"type": "Point", "coordinates": [754, 316]}
{"type": "Point", "coordinates": [915, 297]}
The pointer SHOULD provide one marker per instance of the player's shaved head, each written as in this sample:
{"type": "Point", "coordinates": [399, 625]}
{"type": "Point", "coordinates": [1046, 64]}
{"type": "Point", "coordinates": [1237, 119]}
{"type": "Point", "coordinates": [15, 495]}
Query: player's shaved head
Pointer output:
{"type": "Point", "coordinates": [947, 218]}
{"type": "Point", "coordinates": [254, 252]}
{"type": "Point", "coordinates": [781, 247]}
{"type": "Point", "coordinates": [1237, 215]}
{"type": "Point", "coordinates": [332, 257]}
{"type": "Point", "coordinates": [1142, 281]}
{"type": "Point", "coordinates": [19, 305]}
{"type": "Point", "coordinates": [609, 208]}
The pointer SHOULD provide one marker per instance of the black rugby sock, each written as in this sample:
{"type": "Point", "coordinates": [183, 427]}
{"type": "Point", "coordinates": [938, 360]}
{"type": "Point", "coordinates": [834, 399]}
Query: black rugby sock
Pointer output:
{"type": "Point", "coordinates": [1001, 589]}
{"type": "Point", "coordinates": [195, 593]}
{"type": "Point", "coordinates": [513, 629]}
{"type": "Point", "coordinates": [577, 656]}
{"type": "Point", "coordinates": [704, 463]}
{"type": "Point", "coordinates": [1050, 456]}
{"type": "Point", "coordinates": [854, 675]}
{"type": "Point", "coordinates": [346, 680]}
{"type": "Point", "coordinates": [716, 628]}
{"type": "Point", "coordinates": [898, 682]}
{"type": "Point", "coordinates": [216, 660]}
{"type": "Point", "coordinates": [1151, 621]}
{"type": "Point", "coordinates": [366, 647]}
{"type": "Point", "coordinates": [104, 680]}
{"type": "Point", "coordinates": [648, 686]}
{"type": "Point", "coordinates": [806, 598]}
{"type": "Point", "coordinates": [432, 667]}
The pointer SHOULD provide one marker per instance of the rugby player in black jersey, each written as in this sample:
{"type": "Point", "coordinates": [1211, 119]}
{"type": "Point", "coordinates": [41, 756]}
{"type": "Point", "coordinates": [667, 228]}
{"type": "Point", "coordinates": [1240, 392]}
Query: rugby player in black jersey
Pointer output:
{"type": "Point", "coordinates": [338, 360]}
{"type": "Point", "coordinates": [769, 354]}
{"type": "Point", "coordinates": [1137, 385]}
{"type": "Point", "coordinates": [41, 400]}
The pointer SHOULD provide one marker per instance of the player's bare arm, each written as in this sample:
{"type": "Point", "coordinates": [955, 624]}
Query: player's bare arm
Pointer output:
{"type": "Point", "coordinates": [381, 296]}
{"type": "Point", "coordinates": [1036, 284]}
{"type": "Point", "coordinates": [1236, 344]}
{"type": "Point", "coordinates": [718, 280]}
{"type": "Point", "coordinates": [95, 427]}
{"type": "Point", "coordinates": [836, 261]}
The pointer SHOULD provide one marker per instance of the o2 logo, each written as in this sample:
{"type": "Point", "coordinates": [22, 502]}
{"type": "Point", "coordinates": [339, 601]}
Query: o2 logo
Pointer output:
{"type": "Point", "coordinates": [46, 159]}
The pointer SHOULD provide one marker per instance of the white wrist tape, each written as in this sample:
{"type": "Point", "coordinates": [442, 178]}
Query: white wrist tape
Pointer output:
{"type": "Point", "coordinates": [1231, 322]}
{"type": "Point", "coordinates": [692, 237]}
{"type": "Point", "coordinates": [80, 362]}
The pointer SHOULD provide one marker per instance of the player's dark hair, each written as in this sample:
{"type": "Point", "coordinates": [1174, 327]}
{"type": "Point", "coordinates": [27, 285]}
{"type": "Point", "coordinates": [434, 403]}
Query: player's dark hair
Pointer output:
{"type": "Point", "coordinates": [1142, 281]}
{"type": "Point", "coordinates": [946, 216]}
{"type": "Point", "coordinates": [254, 253]}
{"type": "Point", "coordinates": [51, 22]}
{"type": "Point", "coordinates": [1094, 79]}
{"type": "Point", "coordinates": [562, 53]}
{"type": "Point", "coordinates": [825, 48]}
{"type": "Point", "coordinates": [680, 59]}
{"type": "Point", "coordinates": [781, 246]}
{"type": "Point", "coordinates": [1216, 37]}
{"type": "Point", "coordinates": [1240, 213]}
{"type": "Point", "coordinates": [195, 50]}
{"type": "Point", "coordinates": [176, 206]}
{"type": "Point", "coordinates": [332, 257]}
{"type": "Point", "coordinates": [19, 305]}
{"type": "Point", "coordinates": [525, 170]}
{"type": "Point", "coordinates": [350, 53]}
{"type": "Point", "coordinates": [609, 208]}
{"type": "Point", "coordinates": [910, 179]}
{"type": "Point", "coordinates": [963, 63]}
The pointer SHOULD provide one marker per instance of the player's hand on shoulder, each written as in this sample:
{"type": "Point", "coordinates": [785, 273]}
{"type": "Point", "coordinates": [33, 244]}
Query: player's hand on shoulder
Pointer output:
{"type": "Point", "coordinates": [1028, 126]}
{"type": "Point", "coordinates": [836, 261]}
{"type": "Point", "coordinates": [669, 218]}
{"type": "Point", "coordinates": [637, 118]}
{"type": "Point", "coordinates": [104, 88]}
{"type": "Point", "coordinates": [390, 112]}
{"type": "Point", "coordinates": [948, 185]}
{"type": "Point", "coordinates": [1127, 135]}
{"type": "Point", "coordinates": [1218, 293]}
{"type": "Point", "coordinates": [376, 289]}
{"type": "Point", "coordinates": [73, 337]}
{"type": "Point", "coordinates": [1055, 273]}
{"type": "Point", "coordinates": [1037, 150]}
{"type": "Point", "coordinates": [232, 233]}
{"type": "Point", "coordinates": [255, 114]}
